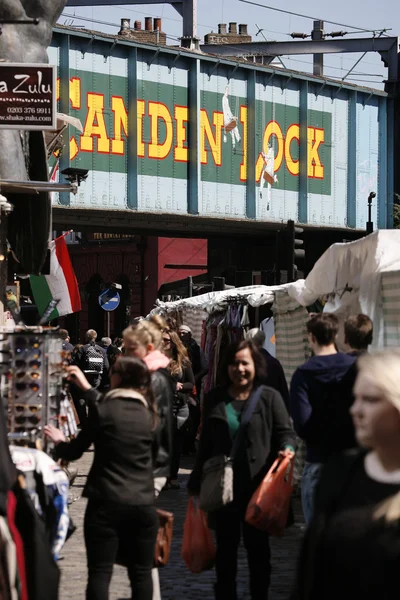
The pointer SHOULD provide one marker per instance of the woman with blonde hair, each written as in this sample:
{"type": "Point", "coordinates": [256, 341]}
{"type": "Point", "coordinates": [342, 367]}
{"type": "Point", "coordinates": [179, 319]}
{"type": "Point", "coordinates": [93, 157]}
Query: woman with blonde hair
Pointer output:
{"type": "Point", "coordinates": [144, 340]}
{"type": "Point", "coordinates": [182, 375]}
{"type": "Point", "coordinates": [352, 547]}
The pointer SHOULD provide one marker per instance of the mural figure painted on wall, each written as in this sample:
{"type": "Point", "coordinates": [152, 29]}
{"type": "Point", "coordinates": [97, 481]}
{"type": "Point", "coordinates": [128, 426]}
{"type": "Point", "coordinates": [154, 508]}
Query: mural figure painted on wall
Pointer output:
{"type": "Point", "coordinates": [230, 121]}
{"type": "Point", "coordinates": [23, 154]}
{"type": "Point", "coordinates": [268, 174]}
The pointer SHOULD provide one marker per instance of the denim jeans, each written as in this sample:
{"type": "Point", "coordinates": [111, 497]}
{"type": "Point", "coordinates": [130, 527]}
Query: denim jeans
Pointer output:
{"type": "Point", "coordinates": [310, 478]}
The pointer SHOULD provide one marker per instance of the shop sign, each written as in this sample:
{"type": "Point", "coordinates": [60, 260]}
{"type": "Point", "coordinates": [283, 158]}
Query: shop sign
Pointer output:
{"type": "Point", "coordinates": [27, 96]}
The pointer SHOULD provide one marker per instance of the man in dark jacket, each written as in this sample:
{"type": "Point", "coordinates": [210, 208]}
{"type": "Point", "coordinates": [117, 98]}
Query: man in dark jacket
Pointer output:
{"type": "Point", "coordinates": [275, 373]}
{"type": "Point", "coordinates": [66, 343]}
{"type": "Point", "coordinates": [320, 399]}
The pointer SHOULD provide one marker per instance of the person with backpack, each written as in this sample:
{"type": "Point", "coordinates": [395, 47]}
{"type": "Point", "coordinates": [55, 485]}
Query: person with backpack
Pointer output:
{"type": "Point", "coordinates": [92, 360]}
{"type": "Point", "coordinates": [321, 394]}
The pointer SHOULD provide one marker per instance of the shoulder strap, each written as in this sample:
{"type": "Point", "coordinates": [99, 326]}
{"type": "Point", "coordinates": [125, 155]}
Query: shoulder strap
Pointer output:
{"type": "Point", "coordinates": [248, 411]}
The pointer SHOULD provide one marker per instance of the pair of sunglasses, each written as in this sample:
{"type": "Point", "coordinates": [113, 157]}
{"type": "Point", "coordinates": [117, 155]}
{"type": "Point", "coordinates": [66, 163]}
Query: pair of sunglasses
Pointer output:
{"type": "Point", "coordinates": [34, 375]}
{"type": "Point", "coordinates": [21, 386]}
{"type": "Point", "coordinates": [23, 342]}
{"type": "Point", "coordinates": [34, 419]}
{"type": "Point", "coordinates": [34, 408]}
{"type": "Point", "coordinates": [34, 364]}
{"type": "Point", "coordinates": [27, 429]}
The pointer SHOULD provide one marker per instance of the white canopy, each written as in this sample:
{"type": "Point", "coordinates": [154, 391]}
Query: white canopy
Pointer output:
{"type": "Point", "coordinates": [350, 274]}
{"type": "Point", "coordinates": [256, 295]}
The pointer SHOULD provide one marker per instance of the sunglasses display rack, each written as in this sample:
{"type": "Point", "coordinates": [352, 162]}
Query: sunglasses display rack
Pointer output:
{"type": "Point", "coordinates": [33, 383]}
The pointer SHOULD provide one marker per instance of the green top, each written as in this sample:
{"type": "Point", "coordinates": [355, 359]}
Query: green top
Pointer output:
{"type": "Point", "coordinates": [233, 417]}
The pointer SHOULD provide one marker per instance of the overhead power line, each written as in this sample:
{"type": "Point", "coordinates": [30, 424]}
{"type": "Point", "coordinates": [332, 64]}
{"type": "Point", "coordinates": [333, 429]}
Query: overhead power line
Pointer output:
{"type": "Point", "coordinates": [294, 14]}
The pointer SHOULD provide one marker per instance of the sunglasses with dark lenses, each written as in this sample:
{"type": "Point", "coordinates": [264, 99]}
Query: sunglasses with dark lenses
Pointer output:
{"type": "Point", "coordinates": [166, 340]}
{"type": "Point", "coordinates": [26, 429]}
{"type": "Point", "coordinates": [20, 363]}
{"type": "Point", "coordinates": [33, 408]}
{"type": "Point", "coordinates": [23, 386]}
{"type": "Point", "coordinates": [34, 375]}
{"type": "Point", "coordinates": [34, 419]}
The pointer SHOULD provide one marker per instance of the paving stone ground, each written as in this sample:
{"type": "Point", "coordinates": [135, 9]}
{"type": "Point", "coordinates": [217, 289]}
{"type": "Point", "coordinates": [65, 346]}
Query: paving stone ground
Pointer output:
{"type": "Point", "coordinates": [177, 583]}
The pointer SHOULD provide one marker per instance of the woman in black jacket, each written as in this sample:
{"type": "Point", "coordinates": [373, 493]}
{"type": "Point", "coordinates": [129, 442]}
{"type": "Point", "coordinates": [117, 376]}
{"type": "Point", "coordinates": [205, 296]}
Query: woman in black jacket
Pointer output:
{"type": "Point", "coordinates": [268, 432]}
{"type": "Point", "coordinates": [120, 513]}
{"type": "Point", "coordinates": [181, 372]}
{"type": "Point", "coordinates": [351, 549]}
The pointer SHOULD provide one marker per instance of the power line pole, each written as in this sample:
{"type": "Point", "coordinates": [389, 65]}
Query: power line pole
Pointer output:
{"type": "Point", "coordinates": [318, 35]}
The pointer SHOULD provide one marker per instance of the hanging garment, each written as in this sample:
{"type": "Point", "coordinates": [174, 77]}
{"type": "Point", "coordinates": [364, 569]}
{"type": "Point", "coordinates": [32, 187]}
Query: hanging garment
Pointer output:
{"type": "Point", "coordinates": [268, 327]}
{"type": "Point", "coordinates": [19, 546]}
{"type": "Point", "coordinates": [48, 487]}
{"type": "Point", "coordinates": [8, 564]}
{"type": "Point", "coordinates": [42, 573]}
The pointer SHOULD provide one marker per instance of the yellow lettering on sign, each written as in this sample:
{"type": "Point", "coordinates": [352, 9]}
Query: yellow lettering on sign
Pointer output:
{"type": "Point", "coordinates": [215, 142]}
{"type": "Point", "coordinates": [272, 129]}
{"type": "Point", "coordinates": [293, 133]}
{"type": "Point", "coordinates": [75, 99]}
{"type": "Point", "coordinates": [95, 125]}
{"type": "Point", "coordinates": [243, 165]}
{"type": "Point", "coordinates": [158, 111]}
{"type": "Point", "coordinates": [141, 111]}
{"type": "Point", "coordinates": [120, 124]}
{"type": "Point", "coordinates": [181, 114]}
{"type": "Point", "coordinates": [75, 92]}
{"type": "Point", "coordinates": [316, 137]}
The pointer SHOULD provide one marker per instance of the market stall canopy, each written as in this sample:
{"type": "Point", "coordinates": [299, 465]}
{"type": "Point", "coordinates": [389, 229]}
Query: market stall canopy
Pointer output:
{"type": "Point", "coordinates": [256, 295]}
{"type": "Point", "coordinates": [350, 274]}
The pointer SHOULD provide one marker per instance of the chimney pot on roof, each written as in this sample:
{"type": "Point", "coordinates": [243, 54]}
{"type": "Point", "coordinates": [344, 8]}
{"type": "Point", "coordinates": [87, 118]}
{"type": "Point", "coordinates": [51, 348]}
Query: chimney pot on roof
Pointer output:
{"type": "Point", "coordinates": [157, 24]}
{"type": "Point", "coordinates": [232, 27]}
{"type": "Point", "coordinates": [125, 25]}
{"type": "Point", "coordinates": [243, 29]}
{"type": "Point", "coordinates": [222, 28]}
{"type": "Point", "coordinates": [148, 23]}
{"type": "Point", "coordinates": [138, 25]}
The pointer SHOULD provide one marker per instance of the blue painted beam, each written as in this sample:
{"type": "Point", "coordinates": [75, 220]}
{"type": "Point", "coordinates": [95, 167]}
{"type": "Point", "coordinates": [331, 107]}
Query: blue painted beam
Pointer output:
{"type": "Point", "coordinates": [391, 160]}
{"type": "Point", "coordinates": [303, 154]}
{"type": "Point", "coordinates": [251, 146]}
{"type": "Point", "coordinates": [194, 171]}
{"type": "Point", "coordinates": [64, 42]}
{"type": "Point", "coordinates": [132, 149]}
{"type": "Point", "coordinates": [383, 166]}
{"type": "Point", "coordinates": [352, 161]}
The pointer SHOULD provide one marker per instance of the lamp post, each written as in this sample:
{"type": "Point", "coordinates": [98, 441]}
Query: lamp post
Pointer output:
{"type": "Point", "coordinates": [370, 225]}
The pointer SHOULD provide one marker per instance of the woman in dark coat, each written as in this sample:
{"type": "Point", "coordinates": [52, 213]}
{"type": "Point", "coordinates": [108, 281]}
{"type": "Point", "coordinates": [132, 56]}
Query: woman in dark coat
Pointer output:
{"type": "Point", "coordinates": [268, 432]}
{"type": "Point", "coordinates": [181, 372]}
{"type": "Point", "coordinates": [351, 549]}
{"type": "Point", "coordinates": [120, 513]}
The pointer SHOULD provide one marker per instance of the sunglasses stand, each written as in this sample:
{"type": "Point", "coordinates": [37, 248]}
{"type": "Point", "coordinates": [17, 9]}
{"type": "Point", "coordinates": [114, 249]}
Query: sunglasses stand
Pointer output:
{"type": "Point", "coordinates": [32, 385]}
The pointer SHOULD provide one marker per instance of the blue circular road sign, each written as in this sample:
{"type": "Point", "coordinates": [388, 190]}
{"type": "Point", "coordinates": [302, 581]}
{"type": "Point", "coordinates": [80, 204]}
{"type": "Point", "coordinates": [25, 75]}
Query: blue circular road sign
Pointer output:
{"type": "Point", "coordinates": [109, 300]}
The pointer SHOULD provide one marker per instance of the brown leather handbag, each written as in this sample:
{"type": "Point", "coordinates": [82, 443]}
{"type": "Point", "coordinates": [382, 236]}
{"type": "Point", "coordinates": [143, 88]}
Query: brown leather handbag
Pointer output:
{"type": "Point", "coordinates": [164, 538]}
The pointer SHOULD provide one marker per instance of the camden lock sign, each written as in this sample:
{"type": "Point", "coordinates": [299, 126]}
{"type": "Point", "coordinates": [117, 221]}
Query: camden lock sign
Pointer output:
{"type": "Point", "coordinates": [27, 96]}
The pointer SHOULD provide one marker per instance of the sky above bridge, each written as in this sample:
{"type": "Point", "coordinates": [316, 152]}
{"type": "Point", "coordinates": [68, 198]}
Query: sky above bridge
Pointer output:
{"type": "Point", "coordinates": [273, 25]}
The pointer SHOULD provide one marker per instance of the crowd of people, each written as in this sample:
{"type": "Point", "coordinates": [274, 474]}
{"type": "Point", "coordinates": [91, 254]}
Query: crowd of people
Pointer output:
{"type": "Point", "coordinates": [140, 402]}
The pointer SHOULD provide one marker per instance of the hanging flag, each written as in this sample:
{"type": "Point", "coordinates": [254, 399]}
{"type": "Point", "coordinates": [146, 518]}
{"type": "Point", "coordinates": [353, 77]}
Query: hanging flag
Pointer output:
{"type": "Point", "coordinates": [60, 285]}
